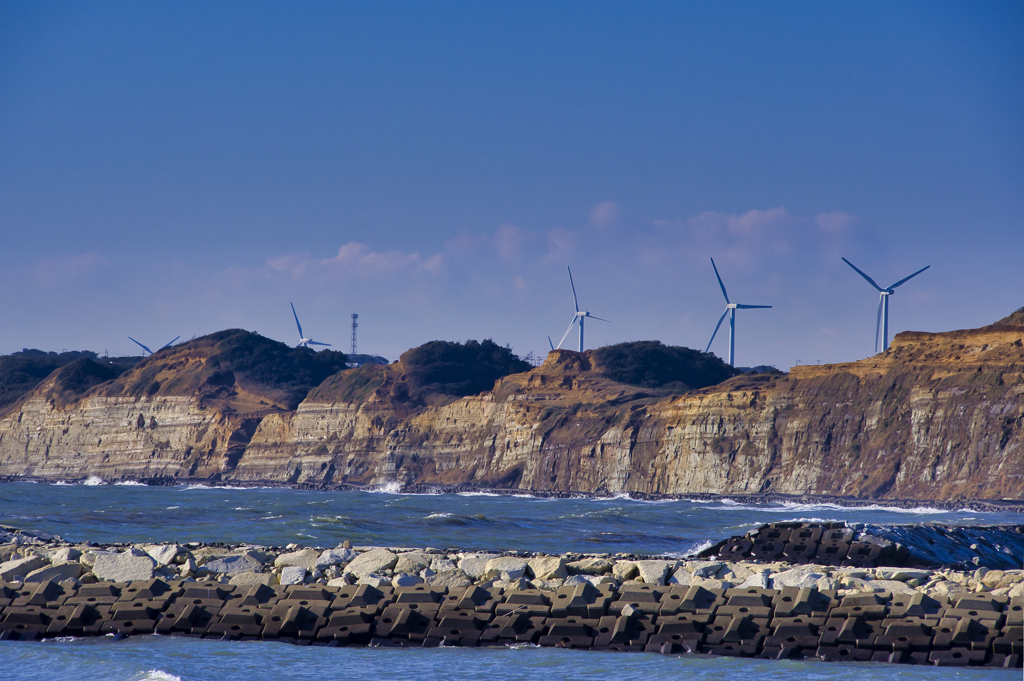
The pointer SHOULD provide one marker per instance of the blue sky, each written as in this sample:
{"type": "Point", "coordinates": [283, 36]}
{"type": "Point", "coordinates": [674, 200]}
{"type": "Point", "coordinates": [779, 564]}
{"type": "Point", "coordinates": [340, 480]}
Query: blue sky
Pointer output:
{"type": "Point", "coordinates": [180, 168]}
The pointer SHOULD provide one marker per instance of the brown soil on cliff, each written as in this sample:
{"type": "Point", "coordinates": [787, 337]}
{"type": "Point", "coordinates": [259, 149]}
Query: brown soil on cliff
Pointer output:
{"type": "Point", "coordinates": [1013, 319]}
{"type": "Point", "coordinates": [231, 371]}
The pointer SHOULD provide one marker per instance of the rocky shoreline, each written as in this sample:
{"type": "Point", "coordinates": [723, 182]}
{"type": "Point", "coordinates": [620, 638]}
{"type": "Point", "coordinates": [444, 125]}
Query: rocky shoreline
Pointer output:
{"type": "Point", "coordinates": [27, 558]}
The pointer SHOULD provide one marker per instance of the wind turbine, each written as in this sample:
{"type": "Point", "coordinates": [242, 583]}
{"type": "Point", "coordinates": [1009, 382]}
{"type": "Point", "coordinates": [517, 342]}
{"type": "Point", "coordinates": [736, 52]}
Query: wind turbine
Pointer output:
{"type": "Point", "coordinates": [303, 341]}
{"type": "Point", "coordinates": [578, 317]}
{"type": "Point", "coordinates": [882, 321]}
{"type": "Point", "coordinates": [730, 309]}
{"type": "Point", "coordinates": [551, 344]}
{"type": "Point", "coordinates": [147, 349]}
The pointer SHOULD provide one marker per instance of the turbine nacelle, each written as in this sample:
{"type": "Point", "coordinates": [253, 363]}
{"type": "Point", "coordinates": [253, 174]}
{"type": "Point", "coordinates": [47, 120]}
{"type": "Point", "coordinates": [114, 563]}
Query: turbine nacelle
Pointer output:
{"type": "Point", "coordinates": [303, 341]}
{"type": "Point", "coordinates": [577, 317]}
{"type": "Point", "coordinates": [882, 323]}
{"type": "Point", "coordinates": [730, 311]}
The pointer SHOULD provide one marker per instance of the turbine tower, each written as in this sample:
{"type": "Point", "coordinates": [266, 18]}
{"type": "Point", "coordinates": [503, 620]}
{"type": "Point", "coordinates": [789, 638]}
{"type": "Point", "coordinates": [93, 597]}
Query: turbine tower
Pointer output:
{"type": "Point", "coordinates": [303, 341]}
{"type": "Point", "coordinates": [882, 321]}
{"type": "Point", "coordinates": [147, 349]}
{"type": "Point", "coordinates": [730, 309]}
{"type": "Point", "coordinates": [578, 317]}
{"type": "Point", "coordinates": [355, 325]}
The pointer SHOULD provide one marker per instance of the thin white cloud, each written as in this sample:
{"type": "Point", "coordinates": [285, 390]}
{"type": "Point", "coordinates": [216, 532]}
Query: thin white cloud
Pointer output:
{"type": "Point", "coordinates": [604, 214]}
{"type": "Point", "coordinates": [53, 271]}
{"type": "Point", "coordinates": [561, 245]}
{"type": "Point", "coordinates": [509, 241]}
{"type": "Point", "coordinates": [836, 222]}
{"type": "Point", "coordinates": [360, 261]}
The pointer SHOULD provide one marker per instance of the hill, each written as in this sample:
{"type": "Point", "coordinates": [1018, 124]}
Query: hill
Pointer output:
{"type": "Point", "coordinates": [232, 370]}
{"type": "Point", "coordinates": [21, 372]}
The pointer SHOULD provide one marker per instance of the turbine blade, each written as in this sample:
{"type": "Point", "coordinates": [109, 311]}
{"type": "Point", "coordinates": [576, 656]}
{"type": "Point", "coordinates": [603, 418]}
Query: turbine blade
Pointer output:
{"type": "Point", "coordinates": [574, 301]}
{"type": "Point", "coordinates": [752, 307]}
{"type": "Point", "coordinates": [140, 345]}
{"type": "Point", "coordinates": [590, 316]}
{"type": "Point", "coordinates": [906, 279]}
{"type": "Point", "coordinates": [878, 322]}
{"type": "Point", "coordinates": [170, 344]}
{"type": "Point", "coordinates": [551, 344]}
{"type": "Point", "coordinates": [870, 280]}
{"type": "Point", "coordinates": [566, 334]}
{"type": "Point", "coordinates": [319, 343]}
{"type": "Point", "coordinates": [718, 326]}
{"type": "Point", "coordinates": [720, 281]}
{"type": "Point", "coordinates": [296, 320]}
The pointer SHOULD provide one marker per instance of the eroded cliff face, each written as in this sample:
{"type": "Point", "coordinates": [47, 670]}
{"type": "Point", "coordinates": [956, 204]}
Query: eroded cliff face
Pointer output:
{"type": "Point", "coordinates": [937, 416]}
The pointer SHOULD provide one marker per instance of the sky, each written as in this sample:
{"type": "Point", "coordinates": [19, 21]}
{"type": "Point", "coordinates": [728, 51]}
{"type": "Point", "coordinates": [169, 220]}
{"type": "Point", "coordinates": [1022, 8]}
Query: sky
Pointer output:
{"type": "Point", "coordinates": [180, 168]}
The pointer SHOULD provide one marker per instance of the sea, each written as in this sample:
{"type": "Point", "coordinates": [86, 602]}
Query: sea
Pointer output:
{"type": "Point", "coordinates": [116, 513]}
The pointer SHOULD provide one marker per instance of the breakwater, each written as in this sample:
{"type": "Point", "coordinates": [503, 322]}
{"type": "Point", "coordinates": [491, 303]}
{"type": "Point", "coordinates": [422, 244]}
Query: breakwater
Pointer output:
{"type": "Point", "coordinates": [431, 597]}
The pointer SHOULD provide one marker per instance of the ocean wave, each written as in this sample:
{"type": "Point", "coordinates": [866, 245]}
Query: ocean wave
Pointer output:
{"type": "Point", "coordinates": [916, 510]}
{"type": "Point", "coordinates": [695, 549]}
{"type": "Point", "coordinates": [271, 517]}
{"type": "Point", "coordinates": [93, 481]}
{"type": "Point", "coordinates": [130, 483]}
{"type": "Point", "coordinates": [386, 488]}
{"type": "Point", "coordinates": [158, 675]}
{"type": "Point", "coordinates": [438, 515]}
{"type": "Point", "coordinates": [61, 483]}
{"type": "Point", "coordinates": [171, 508]}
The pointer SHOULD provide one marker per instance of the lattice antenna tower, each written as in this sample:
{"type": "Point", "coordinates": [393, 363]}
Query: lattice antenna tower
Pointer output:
{"type": "Point", "coordinates": [355, 325]}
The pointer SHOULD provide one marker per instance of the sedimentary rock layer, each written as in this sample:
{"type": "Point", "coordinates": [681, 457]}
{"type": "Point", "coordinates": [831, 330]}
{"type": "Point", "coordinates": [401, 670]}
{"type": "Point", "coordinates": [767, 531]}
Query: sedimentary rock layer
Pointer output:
{"type": "Point", "coordinates": [936, 417]}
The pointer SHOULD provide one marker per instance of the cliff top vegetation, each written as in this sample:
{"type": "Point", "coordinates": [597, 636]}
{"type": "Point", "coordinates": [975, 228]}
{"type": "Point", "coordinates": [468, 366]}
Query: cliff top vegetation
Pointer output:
{"type": "Point", "coordinates": [219, 365]}
{"type": "Point", "coordinates": [650, 364]}
{"type": "Point", "coordinates": [21, 372]}
{"type": "Point", "coordinates": [433, 373]}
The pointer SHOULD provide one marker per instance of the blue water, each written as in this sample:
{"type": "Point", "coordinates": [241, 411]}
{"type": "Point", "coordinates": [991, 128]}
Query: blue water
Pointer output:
{"type": "Point", "coordinates": [165, 659]}
{"type": "Point", "coordinates": [115, 513]}
{"type": "Point", "coordinates": [278, 516]}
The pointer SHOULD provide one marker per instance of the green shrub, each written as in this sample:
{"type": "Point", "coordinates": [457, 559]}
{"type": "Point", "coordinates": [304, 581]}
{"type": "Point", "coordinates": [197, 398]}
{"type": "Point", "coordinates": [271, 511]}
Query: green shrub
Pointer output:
{"type": "Point", "coordinates": [649, 364]}
{"type": "Point", "coordinates": [459, 369]}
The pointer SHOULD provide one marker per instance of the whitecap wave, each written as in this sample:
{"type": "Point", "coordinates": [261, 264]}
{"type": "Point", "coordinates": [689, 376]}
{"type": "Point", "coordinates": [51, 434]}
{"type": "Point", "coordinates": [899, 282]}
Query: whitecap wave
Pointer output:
{"type": "Point", "coordinates": [693, 550]}
{"type": "Point", "coordinates": [93, 481]}
{"type": "Point", "coordinates": [479, 494]}
{"type": "Point", "coordinates": [386, 488]}
{"type": "Point", "coordinates": [130, 483]}
{"type": "Point", "coordinates": [158, 675]}
{"type": "Point", "coordinates": [62, 483]}
{"type": "Point", "coordinates": [916, 510]}
{"type": "Point", "coordinates": [171, 508]}
{"type": "Point", "coordinates": [438, 515]}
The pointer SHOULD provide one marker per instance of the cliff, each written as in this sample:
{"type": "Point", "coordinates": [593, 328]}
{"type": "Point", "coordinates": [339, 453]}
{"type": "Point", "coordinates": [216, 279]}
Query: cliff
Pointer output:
{"type": "Point", "coordinates": [938, 416]}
